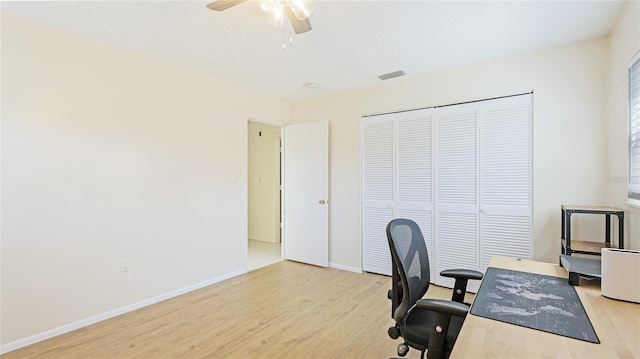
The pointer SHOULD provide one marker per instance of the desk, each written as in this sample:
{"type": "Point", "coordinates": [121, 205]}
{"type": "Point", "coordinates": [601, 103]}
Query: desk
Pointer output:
{"type": "Point", "coordinates": [616, 323]}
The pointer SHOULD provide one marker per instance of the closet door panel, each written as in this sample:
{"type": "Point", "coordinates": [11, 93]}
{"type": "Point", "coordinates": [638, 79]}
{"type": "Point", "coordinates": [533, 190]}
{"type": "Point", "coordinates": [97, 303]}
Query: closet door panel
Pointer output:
{"type": "Point", "coordinates": [505, 178]}
{"type": "Point", "coordinates": [375, 247]}
{"type": "Point", "coordinates": [504, 235]}
{"type": "Point", "coordinates": [455, 245]}
{"type": "Point", "coordinates": [377, 162]}
{"type": "Point", "coordinates": [414, 191]}
{"type": "Point", "coordinates": [456, 209]}
{"type": "Point", "coordinates": [456, 146]}
{"type": "Point", "coordinates": [505, 146]}
{"type": "Point", "coordinates": [424, 219]}
{"type": "Point", "coordinates": [377, 192]}
{"type": "Point", "coordinates": [414, 160]}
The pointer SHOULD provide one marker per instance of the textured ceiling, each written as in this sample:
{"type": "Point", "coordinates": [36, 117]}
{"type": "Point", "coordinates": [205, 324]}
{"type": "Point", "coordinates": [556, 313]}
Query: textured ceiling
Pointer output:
{"type": "Point", "coordinates": [352, 42]}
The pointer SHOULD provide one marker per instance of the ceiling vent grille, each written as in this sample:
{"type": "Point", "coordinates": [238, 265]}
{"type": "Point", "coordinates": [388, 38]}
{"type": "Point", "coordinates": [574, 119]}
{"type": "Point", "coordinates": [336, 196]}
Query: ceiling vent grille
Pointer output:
{"type": "Point", "coordinates": [391, 75]}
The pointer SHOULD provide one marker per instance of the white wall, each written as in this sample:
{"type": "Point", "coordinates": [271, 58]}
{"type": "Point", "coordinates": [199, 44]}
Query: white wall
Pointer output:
{"type": "Point", "coordinates": [624, 44]}
{"type": "Point", "coordinates": [109, 155]}
{"type": "Point", "coordinates": [264, 182]}
{"type": "Point", "coordinates": [569, 121]}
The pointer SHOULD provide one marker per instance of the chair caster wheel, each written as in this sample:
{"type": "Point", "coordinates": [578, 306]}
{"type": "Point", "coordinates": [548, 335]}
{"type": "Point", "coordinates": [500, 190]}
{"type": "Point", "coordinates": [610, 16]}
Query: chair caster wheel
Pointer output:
{"type": "Point", "coordinates": [394, 333]}
{"type": "Point", "coordinates": [403, 349]}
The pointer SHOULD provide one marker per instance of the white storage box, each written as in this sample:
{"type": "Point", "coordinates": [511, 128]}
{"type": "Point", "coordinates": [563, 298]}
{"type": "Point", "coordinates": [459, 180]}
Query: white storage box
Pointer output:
{"type": "Point", "coordinates": [621, 274]}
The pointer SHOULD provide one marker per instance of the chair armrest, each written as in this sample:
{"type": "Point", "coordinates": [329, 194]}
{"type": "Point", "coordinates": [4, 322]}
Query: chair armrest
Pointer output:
{"type": "Point", "coordinates": [443, 306]}
{"type": "Point", "coordinates": [461, 276]}
{"type": "Point", "coordinates": [462, 273]}
{"type": "Point", "coordinates": [439, 328]}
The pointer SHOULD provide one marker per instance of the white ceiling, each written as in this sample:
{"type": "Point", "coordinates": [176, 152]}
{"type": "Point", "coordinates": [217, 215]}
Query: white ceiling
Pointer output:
{"type": "Point", "coordinates": [352, 42]}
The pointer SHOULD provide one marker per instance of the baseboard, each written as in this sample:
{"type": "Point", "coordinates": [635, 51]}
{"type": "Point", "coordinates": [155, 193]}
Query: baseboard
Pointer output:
{"type": "Point", "coordinates": [21, 343]}
{"type": "Point", "coordinates": [346, 268]}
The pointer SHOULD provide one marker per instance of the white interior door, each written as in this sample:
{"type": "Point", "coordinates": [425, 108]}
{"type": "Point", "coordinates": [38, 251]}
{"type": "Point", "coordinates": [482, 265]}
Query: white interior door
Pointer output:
{"type": "Point", "coordinates": [306, 193]}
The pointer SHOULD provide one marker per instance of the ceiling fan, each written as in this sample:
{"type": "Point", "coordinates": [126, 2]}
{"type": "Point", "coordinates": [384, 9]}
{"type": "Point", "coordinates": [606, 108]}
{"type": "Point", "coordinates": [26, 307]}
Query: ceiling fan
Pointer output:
{"type": "Point", "coordinates": [298, 11]}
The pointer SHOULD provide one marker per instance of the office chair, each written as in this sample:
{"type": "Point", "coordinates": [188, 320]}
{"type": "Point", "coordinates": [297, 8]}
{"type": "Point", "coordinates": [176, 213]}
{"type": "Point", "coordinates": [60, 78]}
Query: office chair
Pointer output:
{"type": "Point", "coordinates": [430, 325]}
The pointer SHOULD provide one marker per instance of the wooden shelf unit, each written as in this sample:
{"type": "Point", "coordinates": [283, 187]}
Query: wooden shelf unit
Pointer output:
{"type": "Point", "coordinates": [570, 246]}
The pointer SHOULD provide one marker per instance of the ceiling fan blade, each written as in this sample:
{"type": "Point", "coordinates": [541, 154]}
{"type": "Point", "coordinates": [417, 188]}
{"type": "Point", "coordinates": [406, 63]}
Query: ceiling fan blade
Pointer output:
{"type": "Point", "coordinates": [299, 26]}
{"type": "Point", "coordinates": [224, 4]}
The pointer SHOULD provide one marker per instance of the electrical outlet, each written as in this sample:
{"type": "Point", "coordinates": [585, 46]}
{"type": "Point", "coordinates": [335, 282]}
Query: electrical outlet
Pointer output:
{"type": "Point", "coordinates": [124, 265]}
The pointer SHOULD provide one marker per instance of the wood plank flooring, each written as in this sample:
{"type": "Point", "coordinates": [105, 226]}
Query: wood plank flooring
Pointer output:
{"type": "Point", "coordinates": [285, 310]}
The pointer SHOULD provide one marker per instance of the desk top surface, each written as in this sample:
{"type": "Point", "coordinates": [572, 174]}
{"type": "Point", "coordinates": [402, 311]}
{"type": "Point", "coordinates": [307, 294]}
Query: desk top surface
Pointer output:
{"type": "Point", "coordinates": [616, 323]}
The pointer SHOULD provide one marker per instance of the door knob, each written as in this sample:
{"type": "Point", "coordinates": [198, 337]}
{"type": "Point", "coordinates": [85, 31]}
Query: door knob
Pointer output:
{"type": "Point", "coordinates": [322, 201]}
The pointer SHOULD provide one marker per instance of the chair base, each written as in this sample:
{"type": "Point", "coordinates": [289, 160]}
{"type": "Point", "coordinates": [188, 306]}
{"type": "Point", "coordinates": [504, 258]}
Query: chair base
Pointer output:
{"type": "Point", "coordinates": [403, 349]}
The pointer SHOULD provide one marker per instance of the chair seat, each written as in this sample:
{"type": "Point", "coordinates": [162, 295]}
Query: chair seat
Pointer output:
{"type": "Point", "coordinates": [416, 329]}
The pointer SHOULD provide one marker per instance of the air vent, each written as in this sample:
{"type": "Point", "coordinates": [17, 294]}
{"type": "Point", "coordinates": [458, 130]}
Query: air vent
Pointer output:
{"type": "Point", "coordinates": [391, 75]}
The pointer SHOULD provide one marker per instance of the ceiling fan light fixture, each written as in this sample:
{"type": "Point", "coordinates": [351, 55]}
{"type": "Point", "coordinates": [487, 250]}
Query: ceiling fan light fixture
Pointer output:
{"type": "Point", "coordinates": [278, 13]}
{"type": "Point", "coordinates": [268, 5]}
{"type": "Point", "coordinates": [301, 8]}
{"type": "Point", "coordinates": [297, 11]}
{"type": "Point", "coordinates": [275, 8]}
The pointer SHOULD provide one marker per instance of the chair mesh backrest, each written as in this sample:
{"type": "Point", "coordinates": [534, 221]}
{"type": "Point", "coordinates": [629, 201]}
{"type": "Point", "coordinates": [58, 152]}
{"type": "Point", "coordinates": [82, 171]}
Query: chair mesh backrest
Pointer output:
{"type": "Point", "coordinates": [409, 253]}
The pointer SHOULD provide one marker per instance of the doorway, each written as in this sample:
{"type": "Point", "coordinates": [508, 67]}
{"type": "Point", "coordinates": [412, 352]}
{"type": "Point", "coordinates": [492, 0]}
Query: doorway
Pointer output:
{"type": "Point", "coordinates": [264, 194]}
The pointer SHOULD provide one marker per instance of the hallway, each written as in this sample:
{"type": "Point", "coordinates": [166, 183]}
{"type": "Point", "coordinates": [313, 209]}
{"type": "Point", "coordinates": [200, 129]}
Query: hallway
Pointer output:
{"type": "Point", "coordinates": [262, 254]}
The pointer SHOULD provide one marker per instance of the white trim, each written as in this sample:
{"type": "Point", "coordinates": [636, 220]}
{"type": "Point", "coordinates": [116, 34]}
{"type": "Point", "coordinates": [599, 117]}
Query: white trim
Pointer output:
{"type": "Point", "coordinates": [345, 268]}
{"type": "Point", "coordinates": [632, 188]}
{"type": "Point", "coordinates": [633, 59]}
{"type": "Point", "coordinates": [632, 203]}
{"type": "Point", "coordinates": [21, 343]}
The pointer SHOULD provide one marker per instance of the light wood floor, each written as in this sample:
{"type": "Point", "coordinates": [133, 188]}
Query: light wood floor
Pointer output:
{"type": "Point", "coordinates": [285, 310]}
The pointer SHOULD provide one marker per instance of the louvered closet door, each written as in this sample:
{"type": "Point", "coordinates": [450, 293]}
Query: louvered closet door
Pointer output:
{"type": "Point", "coordinates": [377, 192]}
{"type": "Point", "coordinates": [414, 184]}
{"type": "Point", "coordinates": [462, 172]}
{"type": "Point", "coordinates": [456, 208]}
{"type": "Point", "coordinates": [396, 181]}
{"type": "Point", "coordinates": [505, 178]}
